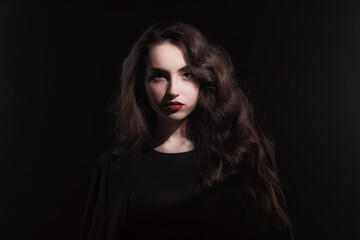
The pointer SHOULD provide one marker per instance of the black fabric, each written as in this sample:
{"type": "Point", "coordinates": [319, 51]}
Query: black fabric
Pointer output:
{"type": "Point", "coordinates": [161, 199]}
{"type": "Point", "coordinates": [118, 207]}
{"type": "Point", "coordinates": [105, 217]}
{"type": "Point", "coordinates": [163, 180]}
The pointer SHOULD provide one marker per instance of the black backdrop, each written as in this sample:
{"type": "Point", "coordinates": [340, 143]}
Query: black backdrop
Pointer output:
{"type": "Point", "coordinates": [300, 63]}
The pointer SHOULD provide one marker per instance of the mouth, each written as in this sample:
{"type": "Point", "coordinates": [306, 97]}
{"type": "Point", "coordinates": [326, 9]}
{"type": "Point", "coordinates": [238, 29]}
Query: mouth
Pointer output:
{"type": "Point", "coordinates": [174, 105]}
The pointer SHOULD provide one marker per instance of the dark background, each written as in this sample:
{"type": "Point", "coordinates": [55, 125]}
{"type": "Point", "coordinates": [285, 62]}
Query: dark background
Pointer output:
{"type": "Point", "coordinates": [299, 61]}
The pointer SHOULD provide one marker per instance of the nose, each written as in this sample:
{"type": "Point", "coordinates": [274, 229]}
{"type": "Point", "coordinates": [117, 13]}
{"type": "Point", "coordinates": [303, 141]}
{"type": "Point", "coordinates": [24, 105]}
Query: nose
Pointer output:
{"type": "Point", "coordinates": [173, 88]}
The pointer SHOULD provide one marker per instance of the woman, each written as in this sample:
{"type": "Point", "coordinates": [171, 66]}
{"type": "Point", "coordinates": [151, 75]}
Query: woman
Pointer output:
{"type": "Point", "coordinates": [189, 162]}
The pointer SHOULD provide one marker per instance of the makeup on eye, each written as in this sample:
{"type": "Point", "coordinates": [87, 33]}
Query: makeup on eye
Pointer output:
{"type": "Point", "coordinates": [158, 73]}
{"type": "Point", "coordinates": [188, 75]}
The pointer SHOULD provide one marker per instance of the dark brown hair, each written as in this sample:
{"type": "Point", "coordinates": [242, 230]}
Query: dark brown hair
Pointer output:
{"type": "Point", "coordinates": [228, 145]}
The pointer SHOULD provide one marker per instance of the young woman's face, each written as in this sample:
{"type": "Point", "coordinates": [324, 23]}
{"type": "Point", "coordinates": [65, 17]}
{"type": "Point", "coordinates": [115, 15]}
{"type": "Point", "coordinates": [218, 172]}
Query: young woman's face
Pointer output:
{"type": "Point", "coordinates": [169, 85]}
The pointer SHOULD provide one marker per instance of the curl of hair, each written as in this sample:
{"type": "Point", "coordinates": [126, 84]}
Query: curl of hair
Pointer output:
{"type": "Point", "coordinates": [229, 149]}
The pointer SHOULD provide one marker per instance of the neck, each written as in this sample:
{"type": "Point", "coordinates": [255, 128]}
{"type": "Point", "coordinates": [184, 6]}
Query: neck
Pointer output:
{"type": "Point", "coordinates": [170, 137]}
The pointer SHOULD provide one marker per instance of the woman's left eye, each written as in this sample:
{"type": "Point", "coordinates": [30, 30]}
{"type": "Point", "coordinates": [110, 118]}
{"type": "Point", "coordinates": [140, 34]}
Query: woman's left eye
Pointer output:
{"type": "Point", "coordinates": [187, 75]}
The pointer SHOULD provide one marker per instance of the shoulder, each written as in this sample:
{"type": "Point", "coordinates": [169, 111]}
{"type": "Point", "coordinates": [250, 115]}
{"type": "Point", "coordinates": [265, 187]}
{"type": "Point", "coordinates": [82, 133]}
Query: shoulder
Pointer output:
{"type": "Point", "coordinates": [112, 154]}
{"type": "Point", "coordinates": [105, 159]}
{"type": "Point", "coordinates": [116, 157]}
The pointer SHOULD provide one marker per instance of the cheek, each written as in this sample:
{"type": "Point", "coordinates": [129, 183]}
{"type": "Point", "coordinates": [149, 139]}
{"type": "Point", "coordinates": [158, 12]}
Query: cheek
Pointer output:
{"type": "Point", "coordinates": [193, 94]}
{"type": "Point", "coordinates": [155, 94]}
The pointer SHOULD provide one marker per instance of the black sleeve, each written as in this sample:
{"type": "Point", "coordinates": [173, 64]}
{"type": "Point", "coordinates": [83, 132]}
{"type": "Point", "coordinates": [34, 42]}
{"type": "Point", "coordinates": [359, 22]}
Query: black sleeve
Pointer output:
{"type": "Point", "coordinates": [95, 216]}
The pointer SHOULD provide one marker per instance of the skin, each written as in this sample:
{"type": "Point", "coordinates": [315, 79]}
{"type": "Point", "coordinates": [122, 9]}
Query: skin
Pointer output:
{"type": "Point", "coordinates": [168, 79]}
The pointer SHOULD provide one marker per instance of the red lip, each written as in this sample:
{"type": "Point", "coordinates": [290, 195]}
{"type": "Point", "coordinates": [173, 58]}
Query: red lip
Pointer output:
{"type": "Point", "coordinates": [174, 105]}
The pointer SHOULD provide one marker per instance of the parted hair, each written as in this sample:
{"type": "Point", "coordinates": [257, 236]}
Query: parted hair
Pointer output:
{"type": "Point", "coordinates": [230, 147]}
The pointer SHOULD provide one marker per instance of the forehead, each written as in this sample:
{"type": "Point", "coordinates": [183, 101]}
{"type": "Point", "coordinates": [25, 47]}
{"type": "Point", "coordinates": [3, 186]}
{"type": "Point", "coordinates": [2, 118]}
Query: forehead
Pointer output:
{"type": "Point", "coordinates": [166, 56]}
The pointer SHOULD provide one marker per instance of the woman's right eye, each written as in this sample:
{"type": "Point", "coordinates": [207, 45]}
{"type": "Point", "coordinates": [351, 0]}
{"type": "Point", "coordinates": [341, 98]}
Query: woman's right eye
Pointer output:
{"type": "Point", "coordinates": [157, 78]}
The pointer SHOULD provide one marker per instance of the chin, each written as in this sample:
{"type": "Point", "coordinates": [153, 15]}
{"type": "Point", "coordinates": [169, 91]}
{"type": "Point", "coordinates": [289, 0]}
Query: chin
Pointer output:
{"type": "Point", "coordinates": [175, 117]}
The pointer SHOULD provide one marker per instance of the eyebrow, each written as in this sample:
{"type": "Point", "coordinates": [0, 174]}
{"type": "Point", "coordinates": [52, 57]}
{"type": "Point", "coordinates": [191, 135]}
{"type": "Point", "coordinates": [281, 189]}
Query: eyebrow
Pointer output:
{"type": "Point", "coordinates": [154, 69]}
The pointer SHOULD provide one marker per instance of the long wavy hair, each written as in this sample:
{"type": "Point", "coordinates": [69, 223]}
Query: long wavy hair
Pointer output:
{"type": "Point", "coordinates": [229, 146]}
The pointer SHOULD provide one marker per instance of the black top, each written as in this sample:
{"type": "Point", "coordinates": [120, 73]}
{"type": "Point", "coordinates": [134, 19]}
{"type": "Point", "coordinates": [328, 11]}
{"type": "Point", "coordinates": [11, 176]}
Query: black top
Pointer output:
{"type": "Point", "coordinates": [163, 180]}
{"type": "Point", "coordinates": [162, 198]}
{"type": "Point", "coordinates": [154, 195]}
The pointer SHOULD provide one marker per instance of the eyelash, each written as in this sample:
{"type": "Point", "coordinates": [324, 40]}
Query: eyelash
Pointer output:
{"type": "Point", "coordinates": [187, 73]}
{"type": "Point", "coordinates": [157, 77]}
